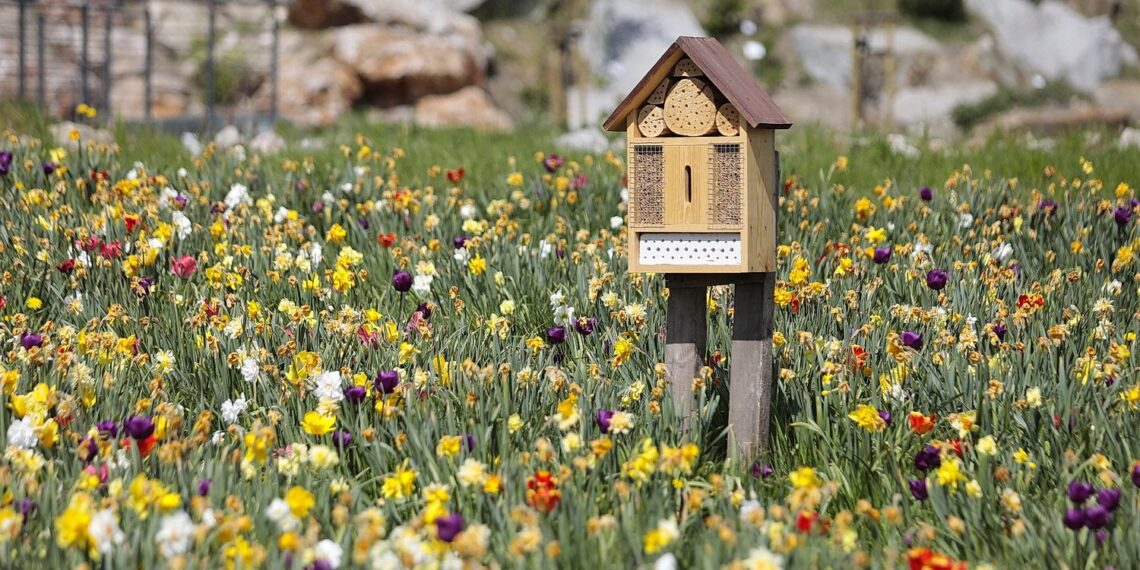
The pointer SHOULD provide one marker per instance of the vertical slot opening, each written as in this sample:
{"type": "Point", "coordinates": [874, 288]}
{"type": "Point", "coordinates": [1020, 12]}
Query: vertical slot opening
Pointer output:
{"type": "Point", "coordinates": [688, 184]}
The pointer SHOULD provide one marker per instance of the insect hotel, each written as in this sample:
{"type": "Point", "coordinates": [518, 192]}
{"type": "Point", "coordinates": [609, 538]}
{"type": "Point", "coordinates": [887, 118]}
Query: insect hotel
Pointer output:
{"type": "Point", "coordinates": [702, 176]}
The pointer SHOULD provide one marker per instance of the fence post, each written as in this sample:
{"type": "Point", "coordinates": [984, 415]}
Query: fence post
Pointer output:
{"type": "Point", "coordinates": [23, 51]}
{"type": "Point", "coordinates": [148, 69]}
{"type": "Point", "coordinates": [210, 38]}
{"type": "Point", "coordinates": [273, 62]}
{"type": "Point", "coordinates": [41, 99]}
{"type": "Point", "coordinates": [108, 13]}
{"type": "Point", "coordinates": [84, 62]}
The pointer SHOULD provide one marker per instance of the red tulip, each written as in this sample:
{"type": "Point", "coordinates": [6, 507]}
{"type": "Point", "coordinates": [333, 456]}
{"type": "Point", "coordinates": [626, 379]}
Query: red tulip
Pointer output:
{"type": "Point", "coordinates": [184, 266]}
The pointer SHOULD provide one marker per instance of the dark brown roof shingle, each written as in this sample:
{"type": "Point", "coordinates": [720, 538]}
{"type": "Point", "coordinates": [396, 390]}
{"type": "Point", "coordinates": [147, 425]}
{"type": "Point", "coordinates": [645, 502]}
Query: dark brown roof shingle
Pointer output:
{"type": "Point", "coordinates": [754, 105]}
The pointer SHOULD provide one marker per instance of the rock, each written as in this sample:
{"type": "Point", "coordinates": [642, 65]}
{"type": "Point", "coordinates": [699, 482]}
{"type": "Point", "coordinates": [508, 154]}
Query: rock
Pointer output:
{"type": "Point", "coordinates": [398, 66]}
{"type": "Point", "coordinates": [1053, 119]}
{"type": "Point", "coordinates": [588, 139]}
{"type": "Point", "coordinates": [621, 41]}
{"type": "Point", "coordinates": [1121, 95]}
{"type": "Point", "coordinates": [826, 52]}
{"type": "Point", "coordinates": [1056, 41]}
{"type": "Point", "coordinates": [1130, 137]}
{"type": "Point", "coordinates": [428, 17]}
{"type": "Point", "coordinates": [267, 142]}
{"type": "Point", "coordinates": [61, 132]}
{"type": "Point", "coordinates": [468, 107]}
{"type": "Point", "coordinates": [821, 104]}
{"type": "Point", "coordinates": [920, 105]}
{"type": "Point", "coordinates": [228, 137]}
{"type": "Point", "coordinates": [314, 89]}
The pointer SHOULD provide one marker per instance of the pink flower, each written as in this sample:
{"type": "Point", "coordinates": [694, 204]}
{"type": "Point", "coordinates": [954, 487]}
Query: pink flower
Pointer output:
{"type": "Point", "coordinates": [184, 266]}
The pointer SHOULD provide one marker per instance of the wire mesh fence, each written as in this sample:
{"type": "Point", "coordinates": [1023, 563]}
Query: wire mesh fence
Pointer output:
{"type": "Point", "coordinates": [186, 64]}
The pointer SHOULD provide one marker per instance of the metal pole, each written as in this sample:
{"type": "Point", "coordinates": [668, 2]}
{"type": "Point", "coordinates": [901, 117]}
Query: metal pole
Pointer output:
{"type": "Point", "coordinates": [83, 58]}
{"type": "Point", "coordinates": [273, 64]}
{"type": "Point", "coordinates": [23, 51]}
{"type": "Point", "coordinates": [148, 70]}
{"type": "Point", "coordinates": [108, 13]}
{"type": "Point", "coordinates": [210, 37]}
{"type": "Point", "coordinates": [40, 59]}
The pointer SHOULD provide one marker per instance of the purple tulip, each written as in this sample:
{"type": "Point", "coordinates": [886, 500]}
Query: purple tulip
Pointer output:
{"type": "Point", "coordinates": [48, 168]}
{"type": "Point", "coordinates": [761, 471]}
{"type": "Point", "coordinates": [5, 162]}
{"type": "Point", "coordinates": [926, 193]}
{"type": "Point", "coordinates": [88, 449]}
{"type": "Point", "coordinates": [181, 200]}
{"type": "Point", "coordinates": [1122, 216]}
{"type": "Point", "coordinates": [355, 394]}
{"type": "Point", "coordinates": [1108, 498]}
{"type": "Point", "coordinates": [886, 416]}
{"type": "Point", "coordinates": [31, 340]}
{"type": "Point", "coordinates": [139, 427]}
{"type": "Point", "coordinates": [1101, 536]}
{"type": "Point", "coordinates": [1000, 330]}
{"type": "Point", "coordinates": [204, 487]}
{"type": "Point", "coordinates": [459, 242]}
{"type": "Point", "coordinates": [469, 441]}
{"type": "Point", "coordinates": [927, 458]}
{"type": "Point", "coordinates": [320, 565]}
{"type": "Point", "coordinates": [553, 162]}
{"type": "Point", "coordinates": [918, 489]}
{"type": "Point", "coordinates": [341, 439]}
{"type": "Point", "coordinates": [556, 335]}
{"type": "Point", "coordinates": [911, 339]}
{"type": "Point", "coordinates": [1047, 206]}
{"type": "Point", "coordinates": [1096, 517]}
{"type": "Point", "coordinates": [585, 325]}
{"type": "Point", "coordinates": [1074, 519]}
{"type": "Point", "coordinates": [318, 206]}
{"type": "Point", "coordinates": [424, 310]}
{"type": "Point", "coordinates": [402, 281]}
{"type": "Point", "coordinates": [448, 527]}
{"type": "Point", "coordinates": [387, 381]}
{"type": "Point", "coordinates": [1080, 491]}
{"type": "Point", "coordinates": [1136, 475]}
{"type": "Point", "coordinates": [936, 279]}
{"type": "Point", "coordinates": [26, 507]}
{"type": "Point", "coordinates": [882, 254]}
{"type": "Point", "coordinates": [108, 429]}
{"type": "Point", "coordinates": [604, 418]}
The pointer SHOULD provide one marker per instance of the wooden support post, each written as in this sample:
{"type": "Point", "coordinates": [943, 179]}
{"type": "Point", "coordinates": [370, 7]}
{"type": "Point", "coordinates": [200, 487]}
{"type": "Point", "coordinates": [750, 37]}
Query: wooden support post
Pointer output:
{"type": "Point", "coordinates": [750, 373]}
{"type": "Point", "coordinates": [686, 335]}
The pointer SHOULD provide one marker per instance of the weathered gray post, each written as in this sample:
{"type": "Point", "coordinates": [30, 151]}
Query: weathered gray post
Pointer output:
{"type": "Point", "coordinates": [686, 337]}
{"type": "Point", "coordinates": [750, 374]}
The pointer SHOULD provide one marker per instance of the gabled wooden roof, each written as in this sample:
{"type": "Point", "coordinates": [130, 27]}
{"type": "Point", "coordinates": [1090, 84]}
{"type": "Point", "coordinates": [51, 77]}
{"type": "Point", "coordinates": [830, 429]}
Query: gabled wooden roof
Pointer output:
{"type": "Point", "coordinates": [754, 105]}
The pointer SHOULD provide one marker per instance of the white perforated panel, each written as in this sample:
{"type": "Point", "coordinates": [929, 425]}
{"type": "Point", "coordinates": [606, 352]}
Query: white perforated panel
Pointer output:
{"type": "Point", "coordinates": [689, 249]}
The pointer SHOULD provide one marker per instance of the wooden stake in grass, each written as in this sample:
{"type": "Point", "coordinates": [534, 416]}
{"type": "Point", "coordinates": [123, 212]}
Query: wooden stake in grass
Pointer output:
{"type": "Point", "coordinates": [727, 120]}
{"type": "Point", "coordinates": [690, 108]}
{"type": "Point", "coordinates": [651, 121]}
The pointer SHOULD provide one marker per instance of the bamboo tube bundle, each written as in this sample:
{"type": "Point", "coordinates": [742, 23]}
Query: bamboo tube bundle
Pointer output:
{"type": "Point", "coordinates": [651, 121]}
{"type": "Point", "coordinates": [690, 108]}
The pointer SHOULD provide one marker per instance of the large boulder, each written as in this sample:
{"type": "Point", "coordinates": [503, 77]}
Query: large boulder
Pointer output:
{"type": "Point", "coordinates": [825, 52]}
{"type": "Point", "coordinates": [430, 17]}
{"type": "Point", "coordinates": [398, 65]}
{"type": "Point", "coordinates": [931, 105]}
{"type": "Point", "coordinates": [1054, 40]}
{"type": "Point", "coordinates": [467, 107]}
{"type": "Point", "coordinates": [314, 89]}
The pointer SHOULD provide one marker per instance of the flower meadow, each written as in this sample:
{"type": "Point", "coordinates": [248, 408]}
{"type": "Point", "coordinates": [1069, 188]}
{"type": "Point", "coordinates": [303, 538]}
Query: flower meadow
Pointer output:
{"type": "Point", "coordinates": [284, 362]}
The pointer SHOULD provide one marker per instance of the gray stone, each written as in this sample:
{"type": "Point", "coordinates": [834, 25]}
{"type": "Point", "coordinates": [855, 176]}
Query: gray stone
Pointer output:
{"type": "Point", "coordinates": [1055, 40]}
{"type": "Point", "coordinates": [468, 107]}
{"type": "Point", "coordinates": [588, 139]}
{"type": "Point", "coordinates": [826, 52]}
{"type": "Point", "coordinates": [933, 103]}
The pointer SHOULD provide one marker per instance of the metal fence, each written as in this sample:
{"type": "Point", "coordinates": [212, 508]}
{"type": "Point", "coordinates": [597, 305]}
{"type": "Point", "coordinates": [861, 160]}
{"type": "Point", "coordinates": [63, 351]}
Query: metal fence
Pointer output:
{"type": "Point", "coordinates": [187, 64]}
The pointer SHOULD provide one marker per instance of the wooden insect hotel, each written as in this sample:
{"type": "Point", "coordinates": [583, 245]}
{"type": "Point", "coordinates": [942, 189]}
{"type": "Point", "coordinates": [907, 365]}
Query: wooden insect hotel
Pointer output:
{"type": "Point", "coordinates": [703, 173]}
{"type": "Point", "coordinates": [702, 164]}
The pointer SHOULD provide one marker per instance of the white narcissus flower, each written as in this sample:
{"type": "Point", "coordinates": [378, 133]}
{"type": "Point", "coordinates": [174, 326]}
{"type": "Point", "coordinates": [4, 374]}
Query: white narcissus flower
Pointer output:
{"type": "Point", "coordinates": [330, 552]}
{"type": "Point", "coordinates": [238, 195]}
{"type": "Point", "coordinates": [105, 532]}
{"type": "Point", "coordinates": [616, 222]}
{"type": "Point", "coordinates": [175, 534]}
{"type": "Point", "coordinates": [422, 285]}
{"type": "Point", "coordinates": [467, 211]}
{"type": "Point", "coordinates": [250, 371]}
{"type": "Point", "coordinates": [327, 386]}
{"type": "Point", "coordinates": [232, 409]}
{"type": "Point", "coordinates": [182, 225]}
{"type": "Point", "coordinates": [22, 434]}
